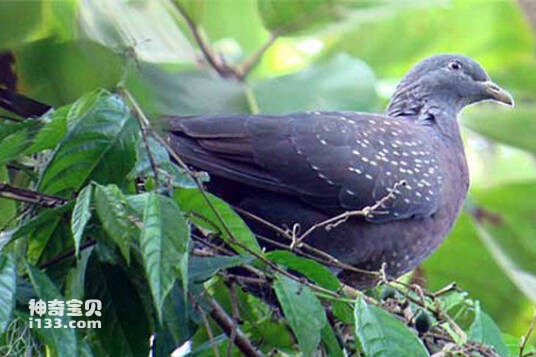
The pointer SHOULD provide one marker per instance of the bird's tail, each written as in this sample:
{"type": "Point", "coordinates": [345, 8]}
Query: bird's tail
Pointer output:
{"type": "Point", "coordinates": [22, 105]}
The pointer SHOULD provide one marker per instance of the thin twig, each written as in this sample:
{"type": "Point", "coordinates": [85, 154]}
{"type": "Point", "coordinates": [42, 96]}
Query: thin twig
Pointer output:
{"type": "Point", "coordinates": [343, 217]}
{"type": "Point", "coordinates": [208, 328]}
{"type": "Point", "coordinates": [236, 317]}
{"type": "Point", "coordinates": [526, 337]}
{"type": "Point", "coordinates": [322, 257]}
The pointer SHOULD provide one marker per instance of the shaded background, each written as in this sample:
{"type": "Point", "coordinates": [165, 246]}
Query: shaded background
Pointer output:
{"type": "Point", "coordinates": [344, 55]}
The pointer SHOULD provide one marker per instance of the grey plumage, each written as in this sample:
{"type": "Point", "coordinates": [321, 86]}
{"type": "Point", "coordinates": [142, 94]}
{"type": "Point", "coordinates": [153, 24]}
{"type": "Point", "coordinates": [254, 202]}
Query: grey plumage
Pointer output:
{"type": "Point", "coordinates": [306, 167]}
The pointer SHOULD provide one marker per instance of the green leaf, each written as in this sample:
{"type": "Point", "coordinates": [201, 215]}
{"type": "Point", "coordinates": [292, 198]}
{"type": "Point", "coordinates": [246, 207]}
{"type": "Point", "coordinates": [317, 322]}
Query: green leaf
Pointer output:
{"type": "Point", "coordinates": [81, 215]}
{"type": "Point", "coordinates": [484, 330]}
{"type": "Point", "coordinates": [311, 269]}
{"type": "Point", "coordinates": [16, 138]}
{"type": "Point", "coordinates": [333, 349]}
{"type": "Point", "coordinates": [53, 130]}
{"type": "Point", "coordinates": [505, 224]}
{"type": "Point", "coordinates": [164, 245]}
{"type": "Point", "coordinates": [303, 311]}
{"type": "Point", "coordinates": [288, 17]}
{"type": "Point", "coordinates": [76, 277]}
{"type": "Point", "coordinates": [63, 340]}
{"type": "Point", "coordinates": [177, 326]}
{"type": "Point", "coordinates": [381, 334]}
{"type": "Point", "coordinates": [192, 200]}
{"type": "Point", "coordinates": [113, 211]}
{"type": "Point", "coordinates": [505, 125]}
{"type": "Point", "coordinates": [192, 8]}
{"type": "Point", "coordinates": [47, 69]}
{"type": "Point", "coordinates": [341, 83]}
{"type": "Point", "coordinates": [168, 172]}
{"type": "Point", "coordinates": [39, 229]}
{"type": "Point", "coordinates": [202, 268]}
{"type": "Point", "coordinates": [17, 28]}
{"type": "Point", "coordinates": [8, 284]}
{"type": "Point", "coordinates": [99, 145]}
{"type": "Point", "coordinates": [125, 327]}
{"type": "Point", "coordinates": [455, 261]}
{"type": "Point", "coordinates": [165, 91]}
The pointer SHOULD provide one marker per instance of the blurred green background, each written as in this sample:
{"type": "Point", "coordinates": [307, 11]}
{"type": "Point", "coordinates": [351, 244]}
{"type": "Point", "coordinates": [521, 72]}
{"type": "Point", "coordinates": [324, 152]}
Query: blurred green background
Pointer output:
{"type": "Point", "coordinates": [332, 54]}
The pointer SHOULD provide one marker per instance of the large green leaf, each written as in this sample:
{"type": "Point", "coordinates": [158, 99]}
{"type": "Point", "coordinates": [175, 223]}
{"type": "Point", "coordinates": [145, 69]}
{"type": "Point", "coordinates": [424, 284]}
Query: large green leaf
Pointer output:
{"type": "Point", "coordinates": [514, 127]}
{"type": "Point", "coordinates": [303, 311]}
{"type": "Point", "coordinates": [506, 225]}
{"type": "Point", "coordinates": [125, 328]}
{"type": "Point", "coordinates": [485, 330]}
{"type": "Point", "coordinates": [382, 335]}
{"type": "Point", "coordinates": [62, 340]}
{"type": "Point", "coordinates": [165, 91]}
{"type": "Point", "coordinates": [294, 18]}
{"type": "Point", "coordinates": [60, 72]}
{"type": "Point", "coordinates": [19, 19]}
{"type": "Point", "coordinates": [8, 283]}
{"type": "Point", "coordinates": [113, 211]}
{"type": "Point", "coordinates": [285, 17]}
{"type": "Point", "coordinates": [340, 83]}
{"type": "Point", "coordinates": [499, 37]}
{"type": "Point", "coordinates": [192, 200]}
{"type": "Point", "coordinates": [164, 245]}
{"type": "Point", "coordinates": [99, 145]}
{"type": "Point", "coordinates": [311, 269]}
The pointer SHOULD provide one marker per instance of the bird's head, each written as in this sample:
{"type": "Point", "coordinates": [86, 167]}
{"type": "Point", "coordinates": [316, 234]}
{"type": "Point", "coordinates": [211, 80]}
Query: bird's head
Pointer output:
{"type": "Point", "coordinates": [446, 80]}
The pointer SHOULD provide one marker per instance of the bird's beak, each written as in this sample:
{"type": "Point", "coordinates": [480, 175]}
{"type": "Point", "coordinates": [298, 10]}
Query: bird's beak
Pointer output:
{"type": "Point", "coordinates": [497, 93]}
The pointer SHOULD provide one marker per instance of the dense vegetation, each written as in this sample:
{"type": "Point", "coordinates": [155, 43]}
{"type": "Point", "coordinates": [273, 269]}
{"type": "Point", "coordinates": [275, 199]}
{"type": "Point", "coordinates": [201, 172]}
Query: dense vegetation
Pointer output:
{"type": "Point", "coordinates": [95, 206]}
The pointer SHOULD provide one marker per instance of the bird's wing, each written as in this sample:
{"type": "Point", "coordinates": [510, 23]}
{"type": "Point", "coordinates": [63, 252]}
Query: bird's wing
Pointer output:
{"type": "Point", "coordinates": [331, 160]}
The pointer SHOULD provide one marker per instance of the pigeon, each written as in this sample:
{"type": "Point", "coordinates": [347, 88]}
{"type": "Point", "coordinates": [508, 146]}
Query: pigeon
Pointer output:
{"type": "Point", "coordinates": [397, 180]}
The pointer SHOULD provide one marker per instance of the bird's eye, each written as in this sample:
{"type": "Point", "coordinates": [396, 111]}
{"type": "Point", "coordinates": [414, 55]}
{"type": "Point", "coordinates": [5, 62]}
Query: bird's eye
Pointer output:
{"type": "Point", "coordinates": [455, 65]}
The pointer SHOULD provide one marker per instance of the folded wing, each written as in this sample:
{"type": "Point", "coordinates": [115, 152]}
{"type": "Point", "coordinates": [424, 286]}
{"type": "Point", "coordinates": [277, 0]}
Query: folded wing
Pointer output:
{"type": "Point", "coordinates": [331, 160]}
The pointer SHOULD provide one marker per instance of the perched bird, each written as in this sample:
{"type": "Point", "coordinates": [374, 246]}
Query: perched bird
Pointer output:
{"type": "Point", "coordinates": [307, 167]}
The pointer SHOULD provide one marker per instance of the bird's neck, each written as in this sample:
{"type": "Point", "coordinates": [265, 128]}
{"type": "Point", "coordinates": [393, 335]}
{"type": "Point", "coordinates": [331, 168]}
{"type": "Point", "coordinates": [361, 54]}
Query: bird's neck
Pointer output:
{"type": "Point", "coordinates": [439, 113]}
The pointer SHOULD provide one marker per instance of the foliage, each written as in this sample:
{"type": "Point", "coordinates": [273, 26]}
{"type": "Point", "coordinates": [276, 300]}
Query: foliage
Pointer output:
{"type": "Point", "coordinates": [121, 220]}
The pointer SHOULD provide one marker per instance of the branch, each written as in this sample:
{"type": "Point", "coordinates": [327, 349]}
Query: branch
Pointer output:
{"type": "Point", "coordinates": [227, 324]}
{"type": "Point", "coordinates": [221, 68]}
{"type": "Point", "coordinates": [526, 337]}
{"type": "Point", "coordinates": [144, 125]}
{"type": "Point", "coordinates": [30, 196]}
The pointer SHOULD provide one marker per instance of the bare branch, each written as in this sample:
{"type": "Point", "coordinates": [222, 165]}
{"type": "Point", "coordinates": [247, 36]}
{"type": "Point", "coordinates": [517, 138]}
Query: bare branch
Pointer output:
{"type": "Point", "coordinates": [30, 196]}
{"type": "Point", "coordinates": [227, 324]}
